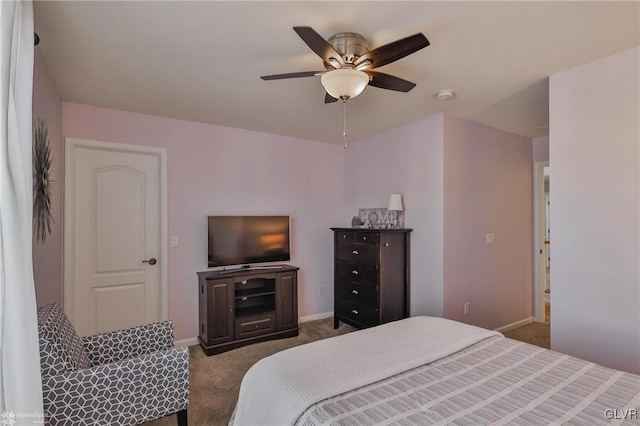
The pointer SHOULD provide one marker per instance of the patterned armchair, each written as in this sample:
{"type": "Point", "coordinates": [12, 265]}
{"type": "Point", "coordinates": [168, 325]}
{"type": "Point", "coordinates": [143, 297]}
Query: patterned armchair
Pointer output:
{"type": "Point", "coordinates": [124, 377]}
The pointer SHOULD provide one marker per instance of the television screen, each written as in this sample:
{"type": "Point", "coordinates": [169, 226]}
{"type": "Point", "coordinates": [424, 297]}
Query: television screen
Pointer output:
{"type": "Point", "coordinates": [243, 240]}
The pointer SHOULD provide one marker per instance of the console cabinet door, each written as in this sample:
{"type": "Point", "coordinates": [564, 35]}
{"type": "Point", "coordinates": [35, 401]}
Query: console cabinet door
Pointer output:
{"type": "Point", "coordinates": [287, 301]}
{"type": "Point", "coordinates": [220, 308]}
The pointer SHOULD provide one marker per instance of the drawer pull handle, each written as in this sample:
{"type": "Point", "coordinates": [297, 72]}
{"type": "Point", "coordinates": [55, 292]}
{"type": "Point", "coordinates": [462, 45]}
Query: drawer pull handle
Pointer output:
{"type": "Point", "coordinates": [364, 238]}
{"type": "Point", "coordinates": [257, 326]}
{"type": "Point", "coordinates": [355, 252]}
{"type": "Point", "coordinates": [386, 244]}
{"type": "Point", "coordinates": [244, 299]}
{"type": "Point", "coordinates": [354, 272]}
{"type": "Point", "coordinates": [243, 282]}
{"type": "Point", "coordinates": [353, 311]}
{"type": "Point", "coordinates": [354, 291]}
{"type": "Point", "coordinates": [344, 235]}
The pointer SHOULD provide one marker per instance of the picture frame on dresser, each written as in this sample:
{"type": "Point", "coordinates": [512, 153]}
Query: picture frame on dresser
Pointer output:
{"type": "Point", "coordinates": [371, 276]}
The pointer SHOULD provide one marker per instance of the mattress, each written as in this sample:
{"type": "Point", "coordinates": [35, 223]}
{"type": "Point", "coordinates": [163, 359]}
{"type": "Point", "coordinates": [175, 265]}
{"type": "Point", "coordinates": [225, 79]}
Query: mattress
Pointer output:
{"type": "Point", "coordinates": [426, 371]}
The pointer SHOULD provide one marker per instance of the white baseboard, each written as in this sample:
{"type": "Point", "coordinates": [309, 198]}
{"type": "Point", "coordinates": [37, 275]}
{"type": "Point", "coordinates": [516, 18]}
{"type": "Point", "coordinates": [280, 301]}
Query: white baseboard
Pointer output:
{"type": "Point", "coordinates": [316, 316]}
{"type": "Point", "coordinates": [514, 325]}
{"type": "Point", "coordinates": [185, 342]}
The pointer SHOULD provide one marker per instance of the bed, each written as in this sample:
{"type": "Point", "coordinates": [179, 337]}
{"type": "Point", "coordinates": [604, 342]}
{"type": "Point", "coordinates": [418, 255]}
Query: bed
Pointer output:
{"type": "Point", "coordinates": [432, 371]}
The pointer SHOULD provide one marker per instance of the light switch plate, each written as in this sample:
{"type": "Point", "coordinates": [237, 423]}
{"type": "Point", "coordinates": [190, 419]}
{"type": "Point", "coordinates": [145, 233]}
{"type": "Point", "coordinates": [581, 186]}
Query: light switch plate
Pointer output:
{"type": "Point", "coordinates": [174, 241]}
{"type": "Point", "coordinates": [490, 239]}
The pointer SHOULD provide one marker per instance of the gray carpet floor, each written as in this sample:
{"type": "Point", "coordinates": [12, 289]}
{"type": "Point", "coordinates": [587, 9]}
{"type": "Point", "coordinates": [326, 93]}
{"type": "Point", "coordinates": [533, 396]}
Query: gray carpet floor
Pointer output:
{"type": "Point", "coordinates": [536, 333]}
{"type": "Point", "coordinates": [215, 380]}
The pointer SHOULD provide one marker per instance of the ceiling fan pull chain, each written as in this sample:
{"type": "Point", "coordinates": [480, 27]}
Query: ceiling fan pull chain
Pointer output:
{"type": "Point", "coordinates": [344, 127]}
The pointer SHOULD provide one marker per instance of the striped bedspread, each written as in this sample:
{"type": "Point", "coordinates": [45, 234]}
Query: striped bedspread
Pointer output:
{"type": "Point", "coordinates": [432, 371]}
{"type": "Point", "coordinates": [496, 381]}
{"type": "Point", "coordinates": [279, 388]}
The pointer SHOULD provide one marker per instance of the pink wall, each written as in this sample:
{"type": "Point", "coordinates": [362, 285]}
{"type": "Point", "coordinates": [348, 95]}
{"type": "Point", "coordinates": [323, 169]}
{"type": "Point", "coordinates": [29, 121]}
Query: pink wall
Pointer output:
{"type": "Point", "coordinates": [407, 159]}
{"type": "Point", "coordinates": [595, 211]}
{"type": "Point", "coordinates": [47, 256]}
{"type": "Point", "coordinates": [541, 149]}
{"type": "Point", "coordinates": [221, 170]}
{"type": "Point", "coordinates": [487, 189]}
{"type": "Point", "coordinates": [459, 181]}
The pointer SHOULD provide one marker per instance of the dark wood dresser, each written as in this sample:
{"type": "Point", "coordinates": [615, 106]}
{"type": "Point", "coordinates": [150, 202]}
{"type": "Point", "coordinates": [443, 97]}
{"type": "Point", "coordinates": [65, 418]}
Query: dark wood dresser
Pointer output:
{"type": "Point", "coordinates": [371, 276]}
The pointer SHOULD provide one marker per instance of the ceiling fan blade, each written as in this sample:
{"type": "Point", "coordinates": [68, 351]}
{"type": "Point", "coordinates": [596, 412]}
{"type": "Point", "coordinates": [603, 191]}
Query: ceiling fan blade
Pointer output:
{"type": "Point", "coordinates": [393, 51]}
{"type": "Point", "coordinates": [291, 75]}
{"type": "Point", "coordinates": [329, 99]}
{"type": "Point", "coordinates": [320, 46]}
{"type": "Point", "coordinates": [387, 81]}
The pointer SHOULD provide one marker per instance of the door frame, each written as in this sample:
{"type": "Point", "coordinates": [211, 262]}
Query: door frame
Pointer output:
{"type": "Point", "coordinates": [71, 144]}
{"type": "Point", "coordinates": [539, 214]}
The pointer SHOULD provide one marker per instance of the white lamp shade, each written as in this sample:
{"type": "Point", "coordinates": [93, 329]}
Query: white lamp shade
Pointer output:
{"type": "Point", "coordinates": [344, 83]}
{"type": "Point", "coordinates": [395, 202]}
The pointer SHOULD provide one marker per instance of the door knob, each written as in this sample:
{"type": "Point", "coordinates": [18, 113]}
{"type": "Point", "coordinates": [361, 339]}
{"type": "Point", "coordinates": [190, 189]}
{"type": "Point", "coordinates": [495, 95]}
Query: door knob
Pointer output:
{"type": "Point", "coordinates": [151, 261]}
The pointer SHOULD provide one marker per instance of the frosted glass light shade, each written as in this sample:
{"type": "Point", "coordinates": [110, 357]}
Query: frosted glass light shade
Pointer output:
{"type": "Point", "coordinates": [395, 203]}
{"type": "Point", "coordinates": [344, 83]}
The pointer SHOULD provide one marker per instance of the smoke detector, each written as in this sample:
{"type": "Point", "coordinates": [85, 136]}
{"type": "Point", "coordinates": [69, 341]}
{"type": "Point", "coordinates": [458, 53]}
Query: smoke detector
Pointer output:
{"type": "Point", "coordinates": [445, 95]}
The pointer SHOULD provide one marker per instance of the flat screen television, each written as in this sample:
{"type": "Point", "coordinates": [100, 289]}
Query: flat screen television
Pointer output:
{"type": "Point", "coordinates": [245, 240]}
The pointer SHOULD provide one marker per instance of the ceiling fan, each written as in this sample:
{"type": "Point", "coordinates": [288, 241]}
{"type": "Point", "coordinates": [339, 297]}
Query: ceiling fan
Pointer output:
{"type": "Point", "coordinates": [348, 63]}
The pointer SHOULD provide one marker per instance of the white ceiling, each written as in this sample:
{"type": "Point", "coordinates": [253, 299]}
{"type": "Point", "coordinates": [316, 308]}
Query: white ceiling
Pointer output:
{"type": "Point", "coordinates": [201, 61]}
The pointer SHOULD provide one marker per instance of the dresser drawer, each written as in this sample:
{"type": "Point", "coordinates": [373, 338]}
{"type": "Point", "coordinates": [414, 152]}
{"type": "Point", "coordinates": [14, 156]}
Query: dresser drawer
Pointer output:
{"type": "Point", "coordinates": [359, 253]}
{"type": "Point", "coordinates": [362, 237]}
{"type": "Point", "coordinates": [366, 237]}
{"type": "Point", "coordinates": [255, 325]}
{"type": "Point", "coordinates": [357, 312]}
{"type": "Point", "coordinates": [345, 236]}
{"type": "Point", "coordinates": [358, 272]}
{"type": "Point", "coordinates": [363, 294]}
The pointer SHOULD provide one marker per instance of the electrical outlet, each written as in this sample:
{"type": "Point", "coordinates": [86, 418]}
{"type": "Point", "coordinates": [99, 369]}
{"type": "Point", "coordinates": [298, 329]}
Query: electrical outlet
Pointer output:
{"type": "Point", "coordinates": [321, 290]}
{"type": "Point", "coordinates": [466, 308]}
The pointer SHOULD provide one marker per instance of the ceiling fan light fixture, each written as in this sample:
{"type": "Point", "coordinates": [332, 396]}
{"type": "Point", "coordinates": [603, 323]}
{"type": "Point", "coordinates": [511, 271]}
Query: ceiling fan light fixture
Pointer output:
{"type": "Point", "coordinates": [344, 83]}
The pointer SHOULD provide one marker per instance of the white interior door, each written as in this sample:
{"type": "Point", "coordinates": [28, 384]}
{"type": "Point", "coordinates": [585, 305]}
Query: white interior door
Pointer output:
{"type": "Point", "coordinates": [115, 229]}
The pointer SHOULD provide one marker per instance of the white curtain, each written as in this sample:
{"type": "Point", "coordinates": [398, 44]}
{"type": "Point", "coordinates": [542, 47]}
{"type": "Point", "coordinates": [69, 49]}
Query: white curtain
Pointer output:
{"type": "Point", "coordinates": [21, 386]}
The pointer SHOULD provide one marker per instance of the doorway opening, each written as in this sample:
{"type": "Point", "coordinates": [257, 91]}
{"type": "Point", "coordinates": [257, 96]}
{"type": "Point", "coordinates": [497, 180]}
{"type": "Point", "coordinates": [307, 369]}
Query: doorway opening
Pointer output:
{"type": "Point", "coordinates": [542, 243]}
{"type": "Point", "coordinates": [547, 246]}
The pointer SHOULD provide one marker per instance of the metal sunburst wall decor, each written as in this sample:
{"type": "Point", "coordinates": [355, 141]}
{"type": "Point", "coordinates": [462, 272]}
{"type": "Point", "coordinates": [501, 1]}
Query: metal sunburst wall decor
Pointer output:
{"type": "Point", "coordinates": [42, 182]}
